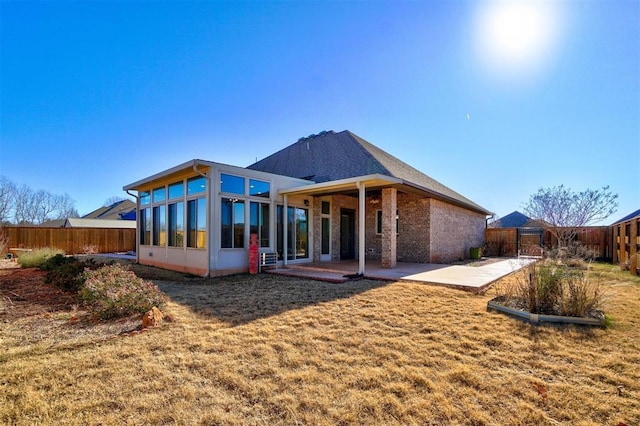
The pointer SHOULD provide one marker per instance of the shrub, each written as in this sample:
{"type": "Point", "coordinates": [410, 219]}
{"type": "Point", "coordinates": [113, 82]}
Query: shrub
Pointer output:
{"type": "Point", "coordinates": [66, 272]}
{"type": "Point", "coordinates": [37, 257]}
{"type": "Point", "coordinates": [115, 292]}
{"type": "Point", "coordinates": [575, 254]}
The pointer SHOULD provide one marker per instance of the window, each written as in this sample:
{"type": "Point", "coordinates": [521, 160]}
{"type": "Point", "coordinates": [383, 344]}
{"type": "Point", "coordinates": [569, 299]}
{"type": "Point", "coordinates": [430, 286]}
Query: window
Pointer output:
{"type": "Point", "coordinates": [297, 232]}
{"type": "Point", "coordinates": [196, 223]}
{"type": "Point", "coordinates": [159, 195]}
{"type": "Point", "coordinates": [258, 188]}
{"type": "Point", "coordinates": [326, 228]}
{"type": "Point", "coordinates": [196, 185]}
{"type": "Point", "coordinates": [259, 222]}
{"type": "Point", "coordinates": [326, 207]}
{"type": "Point", "coordinates": [145, 227]}
{"type": "Point", "coordinates": [145, 198]}
{"type": "Point", "coordinates": [326, 235]}
{"type": "Point", "coordinates": [159, 226]}
{"type": "Point", "coordinates": [176, 224]}
{"type": "Point", "coordinates": [379, 222]}
{"type": "Point", "coordinates": [232, 223]}
{"type": "Point", "coordinates": [232, 184]}
{"type": "Point", "coordinates": [176, 190]}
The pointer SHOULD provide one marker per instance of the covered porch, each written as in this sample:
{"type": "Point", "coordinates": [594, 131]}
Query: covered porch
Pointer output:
{"type": "Point", "coordinates": [386, 190]}
{"type": "Point", "coordinates": [476, 277]}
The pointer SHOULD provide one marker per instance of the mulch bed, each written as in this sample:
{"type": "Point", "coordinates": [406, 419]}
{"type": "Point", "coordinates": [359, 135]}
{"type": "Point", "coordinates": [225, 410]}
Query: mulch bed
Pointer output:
{"type": "Point", "coordinates": [23, 293]}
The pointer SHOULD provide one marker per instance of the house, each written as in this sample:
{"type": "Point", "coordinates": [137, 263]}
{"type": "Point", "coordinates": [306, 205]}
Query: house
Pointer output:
{"type": "Point", "coordinates": [626, 241]}
{"type": "Point", "coordinates": [121, 214]}
{"type": "Point", "coordinates": [339, 196]}
{"type": "Point", "coordinates": [516, 220]}
{"type": "Point", "coordinates": [120, 210]}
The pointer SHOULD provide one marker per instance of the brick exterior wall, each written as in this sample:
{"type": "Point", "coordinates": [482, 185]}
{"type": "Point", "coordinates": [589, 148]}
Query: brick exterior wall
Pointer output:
{"type": "Point", "coordinates": [413, 223]}
{"type": "Point", "coordinates": [454, 231]}
{"type": "Point", "coordinates": [429, 230]}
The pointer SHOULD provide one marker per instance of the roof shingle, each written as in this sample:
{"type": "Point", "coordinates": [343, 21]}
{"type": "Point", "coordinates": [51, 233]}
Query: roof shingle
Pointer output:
{"type": "Point", "coordinates": [331, 156]}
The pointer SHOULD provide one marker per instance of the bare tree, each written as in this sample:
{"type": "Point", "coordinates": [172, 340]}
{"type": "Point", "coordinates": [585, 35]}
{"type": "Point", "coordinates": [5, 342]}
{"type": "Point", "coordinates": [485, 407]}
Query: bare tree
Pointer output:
{"type": "Point", "coordinates": [35, 207]}
{"type": "Point", "coordinates": [24, 211]}
{"type": "Point", "coordinates": [565, 210]}
{"type": "Point", "coordinates": [65, 207]}
{"type": "Point", "coordinates": [112, 200]}
{"type": "Point", "coordinates": [7, 196]}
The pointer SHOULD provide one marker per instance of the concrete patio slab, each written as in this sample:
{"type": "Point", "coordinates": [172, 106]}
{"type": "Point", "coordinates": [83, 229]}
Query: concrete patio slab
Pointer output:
{"type": "Point", "coordinates": [472, 277]}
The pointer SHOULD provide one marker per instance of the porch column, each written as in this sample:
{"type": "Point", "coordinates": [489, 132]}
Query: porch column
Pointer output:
{"type": "Point", "coordinates": [285, 223]}
{"type": "Point", "coordinates": [389, 208]}
{"type": "Point", "coordinates": [361, 228]}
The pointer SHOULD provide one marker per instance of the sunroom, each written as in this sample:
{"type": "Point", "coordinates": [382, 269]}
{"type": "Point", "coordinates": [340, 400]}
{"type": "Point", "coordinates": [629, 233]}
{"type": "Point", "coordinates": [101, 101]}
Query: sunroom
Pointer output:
{"type": "Point", "coordinates": [197, 217]}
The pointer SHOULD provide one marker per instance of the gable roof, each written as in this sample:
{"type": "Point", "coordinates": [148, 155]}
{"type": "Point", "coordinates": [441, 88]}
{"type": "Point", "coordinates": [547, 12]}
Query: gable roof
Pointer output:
{"type": "Point", "coordinates": [517, 220]}
{"type": "Point", "coordinates": [117, 210]}
{"type": "Point", "coordinates": [627, 217]}
{"type": "Point", "coordinates": [331, 156]}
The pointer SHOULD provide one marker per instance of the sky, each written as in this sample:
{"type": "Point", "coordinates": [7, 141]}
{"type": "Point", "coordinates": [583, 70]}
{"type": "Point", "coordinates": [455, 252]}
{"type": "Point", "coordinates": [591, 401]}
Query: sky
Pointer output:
{"type": "Point", "coordinates": [493, 99]}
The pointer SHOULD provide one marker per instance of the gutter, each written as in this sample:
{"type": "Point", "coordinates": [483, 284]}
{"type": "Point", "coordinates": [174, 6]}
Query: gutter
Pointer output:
{"type": "Point", "coordinates": [137, 223]}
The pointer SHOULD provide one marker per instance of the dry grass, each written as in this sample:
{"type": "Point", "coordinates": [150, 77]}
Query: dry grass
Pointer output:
{"type": "Point", "coordinates": [276, 350]}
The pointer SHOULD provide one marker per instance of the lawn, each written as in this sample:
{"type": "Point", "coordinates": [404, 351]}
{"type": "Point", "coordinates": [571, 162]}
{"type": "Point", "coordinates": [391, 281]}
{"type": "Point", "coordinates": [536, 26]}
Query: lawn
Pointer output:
{"type": "Point", "coordinates": [277, 350]}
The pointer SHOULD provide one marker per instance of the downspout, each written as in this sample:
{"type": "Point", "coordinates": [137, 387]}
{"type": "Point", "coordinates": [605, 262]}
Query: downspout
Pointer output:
{"type": "Point", "coordinates": [137, 224]}
{"type": "Point", "coordinates": [209, 218]}
{"type": "Point", "coordinates": [361, 226]}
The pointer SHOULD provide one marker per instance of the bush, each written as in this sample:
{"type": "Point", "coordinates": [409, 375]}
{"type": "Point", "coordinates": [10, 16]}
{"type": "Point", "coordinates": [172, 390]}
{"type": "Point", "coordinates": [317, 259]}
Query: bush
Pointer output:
{"type": "Point", "coordinates": [574, 255]}
{"type": "Point", "coordinates": [37, 257]}
{"type": "Point", "coordinates": [115, 292]}
{"type": "Point", "coordinates": [66, 272]}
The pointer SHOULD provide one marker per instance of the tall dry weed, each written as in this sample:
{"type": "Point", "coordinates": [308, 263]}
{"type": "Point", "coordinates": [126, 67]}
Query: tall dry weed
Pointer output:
{"type": "Point", "coordinates": [553, 288]}
{"type": "Point", "coordinates": [4, 242]}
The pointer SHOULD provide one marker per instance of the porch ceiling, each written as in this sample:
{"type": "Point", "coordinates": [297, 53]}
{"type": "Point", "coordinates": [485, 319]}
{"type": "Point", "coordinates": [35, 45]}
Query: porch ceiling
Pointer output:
{"type": "Point", "coordinates": [343, 185]}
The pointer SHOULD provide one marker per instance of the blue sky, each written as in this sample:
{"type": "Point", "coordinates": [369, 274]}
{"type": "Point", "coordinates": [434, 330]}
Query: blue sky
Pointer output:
{"type": "Point", "coordinates": [493, 99]}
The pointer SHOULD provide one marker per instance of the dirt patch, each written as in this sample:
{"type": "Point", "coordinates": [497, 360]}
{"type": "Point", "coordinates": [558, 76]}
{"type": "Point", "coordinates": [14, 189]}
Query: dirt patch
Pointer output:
{"type": "Point", "coordinates": [24, 294]}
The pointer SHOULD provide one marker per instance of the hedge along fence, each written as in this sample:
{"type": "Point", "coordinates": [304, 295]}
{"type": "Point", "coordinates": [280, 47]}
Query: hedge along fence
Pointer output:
{"type": "Point", "coordinates": [504, 241]}
{"type": "Point", "coordinates": [72, 240]}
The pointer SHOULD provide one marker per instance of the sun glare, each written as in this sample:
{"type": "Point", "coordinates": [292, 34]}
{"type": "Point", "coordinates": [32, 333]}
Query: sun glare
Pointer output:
{"type": "Point", "coordinates": [516, 35]}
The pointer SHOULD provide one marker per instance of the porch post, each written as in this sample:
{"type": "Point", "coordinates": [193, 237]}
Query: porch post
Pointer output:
{"type": "Point", "coordinates": [389, 208]}
{"type": "Point", "coordinates": [285, 225]}
{"type": "Point", "coordinates": [361, 227]}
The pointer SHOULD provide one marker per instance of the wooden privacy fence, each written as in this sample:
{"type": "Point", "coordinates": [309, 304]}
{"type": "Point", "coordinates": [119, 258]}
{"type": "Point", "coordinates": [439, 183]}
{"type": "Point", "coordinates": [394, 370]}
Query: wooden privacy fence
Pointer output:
{"type": "Point", "coordinates": [72, 240]}
{"type": "Point", "coordinates": [512, 241]}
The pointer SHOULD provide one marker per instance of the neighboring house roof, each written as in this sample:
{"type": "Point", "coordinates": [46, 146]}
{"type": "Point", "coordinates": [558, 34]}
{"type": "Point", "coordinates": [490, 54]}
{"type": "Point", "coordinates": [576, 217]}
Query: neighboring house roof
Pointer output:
{"type": "Point", "coordinates": [115, 211]}
{"type": "Point", "coordinates": [331, 156]}
{"type": "Point", "coordinates": [627, 217]}
{"type": "Point", "coordinates": [75, 222]}
{"type": "Point", "coordinates": [516, 220]}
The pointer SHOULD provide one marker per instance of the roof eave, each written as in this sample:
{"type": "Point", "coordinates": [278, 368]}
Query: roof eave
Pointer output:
{"type": "Point", "coordinates": [189, 164]}
{"type": "Point", "coordinates": [448, 199]}
{"type": "Point", "coordinates": [342, 185]}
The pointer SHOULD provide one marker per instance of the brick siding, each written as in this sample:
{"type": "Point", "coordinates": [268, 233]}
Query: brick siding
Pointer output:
{"type": "Point", "coordinates": [454, 231]}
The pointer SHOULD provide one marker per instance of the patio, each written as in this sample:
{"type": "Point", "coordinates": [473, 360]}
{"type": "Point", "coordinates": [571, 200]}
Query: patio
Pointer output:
{"type": "Point", "coordinates": [475, 276]}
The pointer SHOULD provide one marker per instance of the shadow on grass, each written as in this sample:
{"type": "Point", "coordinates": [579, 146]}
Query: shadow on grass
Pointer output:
{"type": "Point", "coordinates": [242, 298]}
